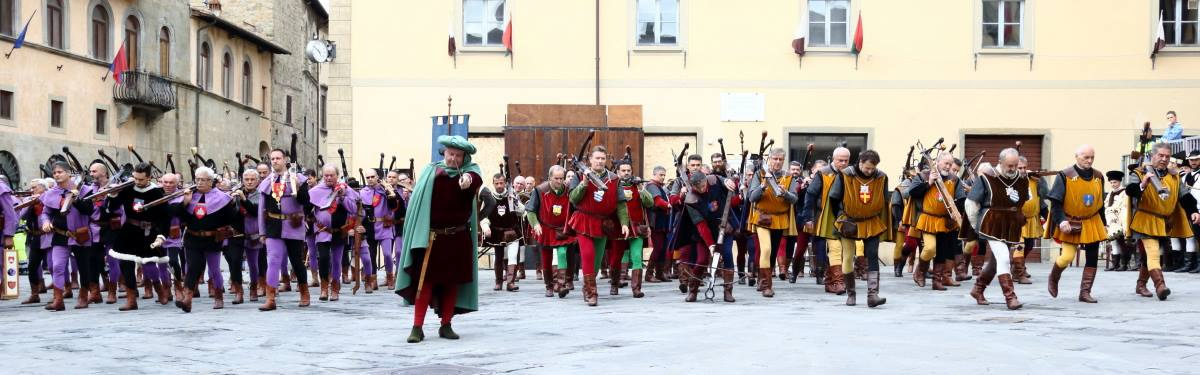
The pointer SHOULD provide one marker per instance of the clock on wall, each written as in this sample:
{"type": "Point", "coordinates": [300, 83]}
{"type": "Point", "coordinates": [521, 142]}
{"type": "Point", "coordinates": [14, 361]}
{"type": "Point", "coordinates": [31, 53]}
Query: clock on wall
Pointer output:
{"type": "Point", "coordinates": [319, 51]}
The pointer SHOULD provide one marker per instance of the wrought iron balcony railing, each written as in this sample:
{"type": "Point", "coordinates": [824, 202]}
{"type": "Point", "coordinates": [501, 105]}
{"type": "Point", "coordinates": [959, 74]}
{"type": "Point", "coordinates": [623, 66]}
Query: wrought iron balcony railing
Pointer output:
{"type": "Point", "coordinates": [146, 90]}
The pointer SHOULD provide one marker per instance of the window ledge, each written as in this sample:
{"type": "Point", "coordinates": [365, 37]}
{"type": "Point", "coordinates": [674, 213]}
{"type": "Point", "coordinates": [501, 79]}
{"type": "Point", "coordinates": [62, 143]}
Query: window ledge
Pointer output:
{"type": "Point", "coordinates": [100, 137]}
{"type": "Point", "coordinates": [481, 49]}
{"type": "Point", "coordinates": [55, 130]}
{"type": "Point", "coordinates": [1004, 51]}
{"type": "Point", "coordinates": [828, 50]}
{"type": "Point", "coordinates": [658, 48]}
{"type": "Point", "coordinates": [8, 123]}
{"type": "Point", "coordinates": [1180, 49]}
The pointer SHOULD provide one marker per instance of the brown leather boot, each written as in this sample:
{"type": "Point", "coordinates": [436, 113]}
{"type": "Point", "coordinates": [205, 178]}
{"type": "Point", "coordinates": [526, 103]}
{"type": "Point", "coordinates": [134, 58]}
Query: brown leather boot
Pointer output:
{"type": "Point", "coordinates": [836, 278]}
{"type": "Point", "coordinates": [976, 265]}
{"type": "Point", "coordinates": [82, 301]}
{"type": "Point", "coordinates": [764, 278]}
{"type": "Point", "coordinates": [219, 299]}
{"type": "Point", "coordinates": [34, 297]}
{"type": "Point", "coordinates": [94, 293]}
{"type": "Point", "coordinates": [960, 268]}
{"type": "Point", "coordinates": [521, 271]}
{"type": "Point", "coordinates": [286, 281]}
{"type": "Point", "coordinates": [324, 296]}
{"type": "Point", "coordinates": [1010, 295]}
{"type": "Point", "coordinates": [614, 284]}
{"type": "Point", "coordinates": [919, 274]}
{"type": "Point", "coordinates": [335, 292]}
{"type": "Point", "coordinates": [570, 279]}
{"type": "Point", "coordinates": [313, 278]}
{"type": "Point", "coordinates": [650, 268]}
{"type": "Point", "coordinates": [498, 270]}
{"type": "Point", "coordinates": [253, 290]}
{"type": "Point", "coordinates": [560, 283]}
{"type": "Point", "coordinates": [661, 275]}
{"type": "Point", "coordinates": [589, 290]}
{"type": "Point", "coordinates": [635, 283]}
{"type": "Point", "coordinates": [948, 273]}
{"type": "Point", "coordinates": [548, 279]}
{"type": "Point", "coordinates": [371, 280]}
{"type": "Point", "coordinates": [184, 302]}
{"type": "Point", "coordinates": [1160, 285]}
{"type": "Point", "coordinates": [179, 289]}
{"type": "Point", "coordinates": [694, 284]}
{"type": "Point", "coordinates": [1018, 271]}
{"type": "Point", "coordinates": [111, 298]}
{"type": "Point", "coordinates": [1143, 276]}
{"type": "Point", "coordinates": [304, 297]}
{"type": "Point", "coordinates": [390, 279]}
{"type": "Point", "coordinates": [727, 277]}
{"type": "Point", "coordinates": [938, 276]}
{"type": "Point", "coordinates": [68, 294]}
{"type": "Point", "coordinates": [860, 268]}
{"type": "Point", "coordinates": [782, 271]}
{"type": "Point", "coordinates": [851, 294]}
{"type": "Point", "coordinates": [1052, 281]}
{"type": "Point", "coordinates": [1085, 285]}
{"type": "Point", "coordinates": [147, 289]}
{"type": "Point", "coordinates": [873, 298]}
{"type": "Point", "coordinates": [512, 279]}
{"type": "Point", "coordinates": [985, 278]}
{"type": "Point", "coordinates": [164, 293]}
{"type": "Point", "coordinates": [131, 297]}
{"type": "Point", "coordinates": [262, 286]}
{"type": "Point", "coordinates": [269, 304]}
{"type": "Point", "coordinates": [57, 303]}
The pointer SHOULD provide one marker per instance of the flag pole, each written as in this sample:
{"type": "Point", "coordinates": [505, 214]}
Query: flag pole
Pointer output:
{"type": "Point", "coordinates": [23, 30]}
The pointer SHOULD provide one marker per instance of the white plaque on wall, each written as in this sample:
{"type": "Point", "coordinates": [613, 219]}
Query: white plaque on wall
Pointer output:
{"type": "Point", "coordinates": [743, 107]}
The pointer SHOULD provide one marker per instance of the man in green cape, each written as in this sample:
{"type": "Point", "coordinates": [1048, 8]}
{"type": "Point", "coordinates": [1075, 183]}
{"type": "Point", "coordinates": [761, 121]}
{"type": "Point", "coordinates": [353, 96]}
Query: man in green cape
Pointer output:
{"type": "Point", "coordinates": [438, 266]}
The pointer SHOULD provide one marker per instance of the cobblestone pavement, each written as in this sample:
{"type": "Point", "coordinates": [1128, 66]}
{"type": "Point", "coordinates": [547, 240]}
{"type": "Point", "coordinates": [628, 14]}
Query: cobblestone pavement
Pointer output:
{"type": "Point", "coordinates": [801, 330]}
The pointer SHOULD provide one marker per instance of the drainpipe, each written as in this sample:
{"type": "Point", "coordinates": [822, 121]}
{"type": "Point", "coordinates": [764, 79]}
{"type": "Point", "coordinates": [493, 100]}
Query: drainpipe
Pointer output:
{"type": "Point", "coordinates": [199, 74]}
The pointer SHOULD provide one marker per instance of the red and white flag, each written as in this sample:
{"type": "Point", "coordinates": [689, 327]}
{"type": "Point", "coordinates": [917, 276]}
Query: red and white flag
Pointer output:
{"type": "Point", "coordinates": [119, 64]}
{"type": "Point", "coordinates": [1160, 38]}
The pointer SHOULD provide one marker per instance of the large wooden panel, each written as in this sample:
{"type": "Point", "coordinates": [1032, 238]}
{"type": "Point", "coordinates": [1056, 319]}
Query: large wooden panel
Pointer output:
{"type": "Point", "coordinates": [625, 116]}
{"type": "Point", "coordinates": [1031, 147]}
{"type": "Point", "coordinates": [556, 115]}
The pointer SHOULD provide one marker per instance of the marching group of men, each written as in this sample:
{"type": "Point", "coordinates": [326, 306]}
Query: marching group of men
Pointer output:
{"type": "Point", "coordinates": [951, 220]}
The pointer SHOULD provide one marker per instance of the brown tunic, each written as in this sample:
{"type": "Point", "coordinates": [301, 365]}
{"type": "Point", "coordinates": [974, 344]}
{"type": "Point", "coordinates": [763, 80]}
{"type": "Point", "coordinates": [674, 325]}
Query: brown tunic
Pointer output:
{"type": "Point", "coordinates": [1001, 199]}
{"type": "Point", "coordinates": [452, 254]}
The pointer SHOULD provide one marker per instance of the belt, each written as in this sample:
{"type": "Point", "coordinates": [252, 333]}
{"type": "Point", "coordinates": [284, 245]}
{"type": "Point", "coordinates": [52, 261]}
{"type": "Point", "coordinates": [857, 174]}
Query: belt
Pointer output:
{"type": "Point", "coordinates": [449, 230]}
{"type": "Point", "coordinates": [281, 216]}
{"type": "Point", "coordinates": [63, 232]}
{"type": "Point", "coordinates": [203, 233]}
{"type": "Point", "coordinates": [1081, 218]}
{"type": "Point", "coordinates": [139, 223]}
{"type": "Point", "coordinates": [1009, 209]}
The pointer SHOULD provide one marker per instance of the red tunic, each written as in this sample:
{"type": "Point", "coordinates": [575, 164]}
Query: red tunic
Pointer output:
{"type": "Point", "coordinates": [589, 219]}
{"type": "Point", "coordinates": [633, 202]}
{"type": "Point", "coordinates": [553, 211]}
{"type": "Point", "coordinates": [452, 255]}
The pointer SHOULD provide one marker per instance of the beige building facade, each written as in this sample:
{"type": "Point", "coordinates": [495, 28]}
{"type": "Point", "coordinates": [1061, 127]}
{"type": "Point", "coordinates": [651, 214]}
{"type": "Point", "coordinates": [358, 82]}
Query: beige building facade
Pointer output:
{"type": "Point", "coordinates": [194, 79]}
{"type": "Point", "coordinates": [979, 73]}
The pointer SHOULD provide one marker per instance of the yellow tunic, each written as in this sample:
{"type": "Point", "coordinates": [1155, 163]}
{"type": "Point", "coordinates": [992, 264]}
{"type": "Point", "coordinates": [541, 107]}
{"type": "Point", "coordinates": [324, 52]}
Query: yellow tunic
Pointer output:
{"type": "Point", "coordinates": [934, 218]}
{"type": "Point", "coordinates": [1082, 201]}
{"type": "Point", "coordinates": [1033, 223]}
{"type": "Point", "coordinates": [822, 218]}
{"type": "Point", "coordinates": [864, 202]}
{"type": "Point", "coordinates": [781, 212]}
{"type": "Point", "coordinates": [1153, 212]}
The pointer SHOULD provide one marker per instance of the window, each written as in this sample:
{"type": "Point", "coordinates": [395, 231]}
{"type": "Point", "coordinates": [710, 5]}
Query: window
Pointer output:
{"type": "Point", "coordinates": [483, 22]}
{"type": "Point", "coordinates": [263, 97]}
{"type": "Point", "coordinates": [8, 9]}
{"type": "Point", "coordinates": [204, 74]}
{"type": "Point", "coordinates": [99, 33]}
{"type": "Point", "coordinates": [828, 23]}
{"type": "Point", "coordinates": [164, 51]}
{"type": "Point", "coordinates": [101, 120]}
{"type": "Point", "coordinates": [824, 143]}
{"type": "Point", "coordinates": [288, 114]}
{"type": "Point", "coordinates": [6, 105]}
{"type": "Point", "coordinates": [227, 75]}
{"type": "Point", "coordinates": [657, 22]}
{"type": "Point", "coordinates": [133, 31]}
{"type": "Point", "coordinates": [247, 84]}
{"type": "Point", "coordinates": [1002, 23]}
{"type": "Point", "coordinates": [56, 114]}
{"type": "Point", "coordinates": [324, 111]}
{"type": "Point", "coordinates": [54, 23]}
{"type": "Point", "coordinates": [1179, 21]}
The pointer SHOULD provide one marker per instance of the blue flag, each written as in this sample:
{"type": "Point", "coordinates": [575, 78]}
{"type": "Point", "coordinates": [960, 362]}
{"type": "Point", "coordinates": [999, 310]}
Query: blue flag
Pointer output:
{"type": "Point", "coordinates": [21, 38]}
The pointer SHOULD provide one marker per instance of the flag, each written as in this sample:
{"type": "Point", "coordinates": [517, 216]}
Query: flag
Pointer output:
{"type": "Point", "coordinates": [507, 38]}
{"type": "Point", "coordinates": [119, 64]}
{"type": "Point", "coordinates": [453, 48]}
{"type": "Point", "coordinates": [1160, 38]}
{"type": "Point", "coordinates": [857, 47]}
{"type": "Point", "coordinates": [21, 38]}
{"type": "Point", "coordinates": [798, 39]}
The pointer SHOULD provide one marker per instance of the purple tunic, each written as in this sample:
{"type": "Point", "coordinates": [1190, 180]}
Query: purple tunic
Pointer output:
{"type": "Point", "coordinates": [290, 202]}
{"type": "Point", "coordinates": [75, 219]}
{"type": "Point", "coordinates": [375, 199]}
{"type": "Point", "coordinates": [249, 211]}
{"type": "Point", "coordinates": [331, 212]}
{"type": "Point", "coordinates": [6, 210]}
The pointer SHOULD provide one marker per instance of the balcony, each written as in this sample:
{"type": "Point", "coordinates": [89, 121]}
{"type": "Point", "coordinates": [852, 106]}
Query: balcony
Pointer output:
{"type": "Point", "coordinates": [145, 90]}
